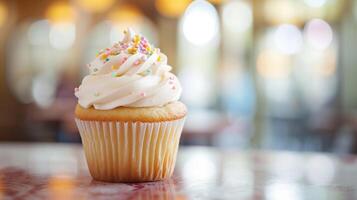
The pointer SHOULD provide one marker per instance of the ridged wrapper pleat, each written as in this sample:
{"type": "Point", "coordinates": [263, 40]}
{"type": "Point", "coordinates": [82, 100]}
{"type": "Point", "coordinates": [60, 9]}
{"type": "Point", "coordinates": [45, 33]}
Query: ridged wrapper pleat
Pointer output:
{"type": "Point", "coordinates": [130, 151]}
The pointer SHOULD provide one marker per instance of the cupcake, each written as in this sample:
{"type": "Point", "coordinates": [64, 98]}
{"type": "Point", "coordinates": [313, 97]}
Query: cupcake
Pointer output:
{"type": "Point", "coordinates": [128, 113]}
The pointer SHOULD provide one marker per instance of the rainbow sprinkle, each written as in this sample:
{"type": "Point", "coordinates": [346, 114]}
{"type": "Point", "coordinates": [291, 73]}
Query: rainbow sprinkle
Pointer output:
{"type": "Point", "coordinates": [115, 67]}
{"type": "Point", "coordinates": [132, 50]}
{"type": "Point", "coordinates": [138, 44]}
{"type": "Point", "coordinates": [138, 62]}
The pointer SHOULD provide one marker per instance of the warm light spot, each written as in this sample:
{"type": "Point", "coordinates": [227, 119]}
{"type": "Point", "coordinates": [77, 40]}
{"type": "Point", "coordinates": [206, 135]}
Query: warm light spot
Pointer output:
{"type": "Point", "coordinates": [216, 2]}
{"type": "Point", "coordinates": [60, 12]}
{"type": "Point", "coordinates": [171, 8]}
{"type": "Point", "coordinates": [273, 65]}
{"type": "Point", "coordinates": [328, 65]}
{"type": "Point", "coordinates": [125, 13]}
{"type": "Point", "coordinates": [282, 11]}
{"type": "Point", "coordinates": [3, 13]}
{"type": "Point", "coordinates": [61, 187]}
{"type": "Point", "coordinates": [1, 188]}
{"type": "Point", "coordinates": [95, 5]}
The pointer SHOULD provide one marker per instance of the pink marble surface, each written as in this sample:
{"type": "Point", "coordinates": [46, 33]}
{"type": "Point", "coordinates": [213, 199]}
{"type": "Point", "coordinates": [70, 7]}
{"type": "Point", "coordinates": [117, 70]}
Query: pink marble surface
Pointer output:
{"type": "Point", "coordinates": [57, 171]}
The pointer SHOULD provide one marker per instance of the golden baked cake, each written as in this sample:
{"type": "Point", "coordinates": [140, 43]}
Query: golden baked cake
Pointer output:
{"type": "Point", "coordinates": [128, 113]}
{"type": "Point", "coordinates": [169, 112]}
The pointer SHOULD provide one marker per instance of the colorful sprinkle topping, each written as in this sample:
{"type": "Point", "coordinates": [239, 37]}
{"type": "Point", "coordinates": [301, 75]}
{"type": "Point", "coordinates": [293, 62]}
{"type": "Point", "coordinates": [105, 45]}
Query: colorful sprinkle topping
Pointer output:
{"type": "Point", "coordinates": [138, 44]}
{"type": "Point", "coordinates": [134, 45]}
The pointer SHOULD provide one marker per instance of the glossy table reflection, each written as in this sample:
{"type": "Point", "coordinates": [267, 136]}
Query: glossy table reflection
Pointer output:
{"type": "Point", "coordinates": [58, 171]}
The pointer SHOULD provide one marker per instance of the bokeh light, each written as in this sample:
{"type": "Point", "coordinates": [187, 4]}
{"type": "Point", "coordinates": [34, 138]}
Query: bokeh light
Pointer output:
{"type": "Point", "coordinates": [43, 90]}
{"type": "Point", "coordinates": [3, 13]}
{"type": "Point", "coordinates": [282, 11]}
{"type": "Point", "coordinates": [315, 3]}
{"type": "Point", "coordinates": [288, 39]}
{"type": "Point", "coordinates": [38, 32]}
{"type": "Point", "coordinates": [59, 35]}
{"type": "Point", "coordinates": [62, 35]}
{"type": "Point", "coordinates": [95, 5]}
{"type": "Point", "coordinates": [61, 187]}
{"type": "Point", "coordinates": [200, 23]}
{"type": "Point", "coordinates": [171, 8]}
{"type": "Point", "coordinates": [60, 12]}
{"type": "Point", "coordinates": [125, 13]}
{"type": "Point", "coordinates": [273, 65]}
{"type": "Point", "coordinates": [237, 16]}
{"type": "Point", "coordinates": [318, 34]}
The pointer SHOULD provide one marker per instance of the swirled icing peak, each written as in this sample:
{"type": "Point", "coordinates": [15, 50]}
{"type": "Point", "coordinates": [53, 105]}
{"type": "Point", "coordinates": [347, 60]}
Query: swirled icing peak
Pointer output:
{"type": "Point", "coordinates": [132, 73]}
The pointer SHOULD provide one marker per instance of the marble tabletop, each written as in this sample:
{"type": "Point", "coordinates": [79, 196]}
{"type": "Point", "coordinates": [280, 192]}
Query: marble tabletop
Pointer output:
{"type": "Point", "coordinates": [59, 171]}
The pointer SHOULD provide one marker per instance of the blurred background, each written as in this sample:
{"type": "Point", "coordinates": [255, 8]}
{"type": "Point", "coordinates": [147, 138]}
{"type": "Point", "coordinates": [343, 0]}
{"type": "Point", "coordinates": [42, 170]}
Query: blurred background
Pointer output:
{"type": "Point", "coordinates": [267, 74]}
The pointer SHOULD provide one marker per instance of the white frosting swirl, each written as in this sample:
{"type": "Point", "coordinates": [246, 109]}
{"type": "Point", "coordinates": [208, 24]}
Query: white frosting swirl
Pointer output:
{"type": "Point", "coordinates": [132, 74]}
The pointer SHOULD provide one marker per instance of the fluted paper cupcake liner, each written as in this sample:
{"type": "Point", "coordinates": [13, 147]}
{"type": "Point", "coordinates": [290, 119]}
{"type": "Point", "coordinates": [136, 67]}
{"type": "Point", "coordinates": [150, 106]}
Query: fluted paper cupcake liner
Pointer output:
{"type": "Point", "coordinates": [130, 151]}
